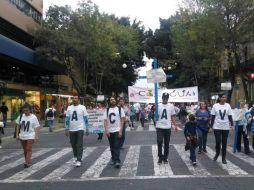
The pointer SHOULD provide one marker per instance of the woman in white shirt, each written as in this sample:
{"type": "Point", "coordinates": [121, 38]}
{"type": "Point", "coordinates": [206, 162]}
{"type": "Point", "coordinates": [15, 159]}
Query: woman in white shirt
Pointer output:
{"type": "Point", "coordinates": [221, 122]}
{"type": "Point", "coordinates": [29, 132]}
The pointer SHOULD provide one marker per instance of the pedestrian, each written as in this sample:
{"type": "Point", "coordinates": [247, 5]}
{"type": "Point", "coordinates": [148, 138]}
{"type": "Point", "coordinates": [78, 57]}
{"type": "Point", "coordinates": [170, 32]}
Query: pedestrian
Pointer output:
{"type": "Point", "coordinates": [250, 125]}
{"type": "Point", "coordinates": [166, 118]}
{"type": "Point", "coordinates": [49, 114]}
{"type": "Point", "coordinates": [153, 114]}
{"type": "Point", "coordinates": [126, 113]}
{"type": "Point", "coordinates": [113, 124]}
{"type": "Point", "coordinates": [4, 109]}
{"type": "Point", "coordinates": [132, 116]}
{"type": "Point", "coordinates": [202, 117]}
{"type": "Point", "coordinates": [76, 122]}
{"type": "Point", "coordinates": [1, 128]}
{"type": "Point", "coordinates": [28, 132]}
{"type": "Point", "coordinates": [242, 131]}
{"type": "Point", "coordinates": [221, 123]}
{"type": "Point", "coordinates": [100, 134]}
{"type": "Point", "coordinates": [142, 116]}
{"type": "Point", "coordinates": [191, 138]}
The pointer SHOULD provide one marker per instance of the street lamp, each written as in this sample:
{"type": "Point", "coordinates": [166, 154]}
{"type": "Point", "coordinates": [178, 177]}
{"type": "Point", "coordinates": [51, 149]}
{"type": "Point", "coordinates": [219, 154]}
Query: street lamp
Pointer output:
{"type": "Point", "coordinates": [124, 66]}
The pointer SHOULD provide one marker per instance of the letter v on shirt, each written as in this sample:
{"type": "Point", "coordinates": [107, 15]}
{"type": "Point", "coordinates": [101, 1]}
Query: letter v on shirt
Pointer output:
{"type": "Point", "coordinates": [221, 113]}
{"type": "Point", "coordinates": [113, 119]}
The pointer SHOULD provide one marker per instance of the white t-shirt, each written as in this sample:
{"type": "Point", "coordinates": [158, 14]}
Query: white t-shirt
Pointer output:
{"type": "Point", "coordinates": [113, 119]}
{"type": "Point", "coordinates": [165, 112]}
{"type": "Point", "coordinates": [221, 113]}
{"type": "Point", "coordinates": [76, 115]}
{"type": "Point", "coordinates": [47, 110]}
{"type": "Point", "coordinates": [27, 126]}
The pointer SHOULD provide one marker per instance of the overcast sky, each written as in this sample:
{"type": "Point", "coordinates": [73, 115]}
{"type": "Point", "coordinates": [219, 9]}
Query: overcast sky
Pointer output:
{"type": "Point", "coordinates": [148, 11]}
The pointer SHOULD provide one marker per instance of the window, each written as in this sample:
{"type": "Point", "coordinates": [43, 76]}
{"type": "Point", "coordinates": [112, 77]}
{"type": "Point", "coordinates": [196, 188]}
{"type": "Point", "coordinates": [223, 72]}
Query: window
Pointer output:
{"type": "Point", "coordinates": [26, 8]}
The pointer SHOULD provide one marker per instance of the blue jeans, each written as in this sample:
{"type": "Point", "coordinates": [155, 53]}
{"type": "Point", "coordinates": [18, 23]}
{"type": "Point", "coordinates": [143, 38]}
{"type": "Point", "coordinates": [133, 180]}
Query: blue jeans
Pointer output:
{"type": "Point", "coordinates": [50, 124]}
{"type": "Point", "coordinates": [114, 143]}
{"type": "Point", "coordinates": [202, 139]}
{"type": "Point", "coordinates": [192, 153]}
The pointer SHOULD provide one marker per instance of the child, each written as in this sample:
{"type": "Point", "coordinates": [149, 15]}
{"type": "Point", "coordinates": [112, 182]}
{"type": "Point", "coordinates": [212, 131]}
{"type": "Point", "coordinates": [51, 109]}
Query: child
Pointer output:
{"type": "Point", "coordinates": [191, 137]}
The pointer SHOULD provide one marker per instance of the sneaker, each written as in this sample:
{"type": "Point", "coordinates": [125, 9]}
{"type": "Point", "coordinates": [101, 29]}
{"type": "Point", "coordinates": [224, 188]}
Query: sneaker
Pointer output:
{"type": "Point", "coordinates": [74, 160]}
{"type": "Point", "coordinates": [194, 163]}
{"type": "Point", "coordinates": [165, 161]}
{"type": "Point", "coordinates": [199, 152]}
{"type": "Point", "coordinates": [117, 165]}
{"type": "Point", "coordinates": [78, 163]}
{"type": "Point", "coordinates": [205, 151]}
{"type": "Point", "coordinates": [247, 152]}
{"type": "Point", "coordinates": [224, 161]}
{"type": "Point", "coordinates": [215, 157]}
{"type": "Point", "coordinates": [26, 165]}
{"type": "Point", "coordinates": [160, 161]}
{"type": "Point", "coordinates": [111, 163]}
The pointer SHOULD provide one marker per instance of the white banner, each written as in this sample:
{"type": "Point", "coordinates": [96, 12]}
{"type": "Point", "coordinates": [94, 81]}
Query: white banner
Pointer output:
{"type": "Point", "coordinates": [95, 121]}
{"type": "Point", "coordinates": [145, 95]}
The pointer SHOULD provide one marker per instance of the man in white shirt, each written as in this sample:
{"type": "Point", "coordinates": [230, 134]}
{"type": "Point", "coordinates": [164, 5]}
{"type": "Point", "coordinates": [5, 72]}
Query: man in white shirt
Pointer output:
{"type": "Point", "coordinates": [114, 118]}
{"type": "Point", "coordinates": [76, 122]}
{"type": "Point", "coordinates": [163, 127]}
{"type": "Point", "coordinates": [49, 114]}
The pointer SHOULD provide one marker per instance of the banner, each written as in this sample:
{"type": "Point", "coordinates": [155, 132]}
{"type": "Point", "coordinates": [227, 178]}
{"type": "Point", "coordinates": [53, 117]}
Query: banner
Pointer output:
{"type": "Point", "coordinates": [156, 75]}
{"type": "Point", "coordinates": [145, 95]}
{"type": "Point", "coordinates": [95, 121]}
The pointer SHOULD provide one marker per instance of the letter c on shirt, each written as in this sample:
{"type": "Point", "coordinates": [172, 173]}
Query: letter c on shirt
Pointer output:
{"type": "Point", "coordinates": [112, 120]}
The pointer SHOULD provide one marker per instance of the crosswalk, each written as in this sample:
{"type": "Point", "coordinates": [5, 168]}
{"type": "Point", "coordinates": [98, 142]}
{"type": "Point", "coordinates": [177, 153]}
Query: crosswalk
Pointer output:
{"type": "Point", "coordinates": [55, 164]}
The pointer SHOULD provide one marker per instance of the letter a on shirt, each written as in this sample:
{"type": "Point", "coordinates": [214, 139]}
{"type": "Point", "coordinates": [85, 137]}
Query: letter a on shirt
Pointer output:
{"type": "Point", "coordinates": [164, 114]}
{"type": "Point", "coordinates": [74, 116]}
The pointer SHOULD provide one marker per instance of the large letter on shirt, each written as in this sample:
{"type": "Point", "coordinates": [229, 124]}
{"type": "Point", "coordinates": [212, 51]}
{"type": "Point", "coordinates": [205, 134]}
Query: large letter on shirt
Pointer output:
{"type": "Point", "coordinates": [222, 115]}
{"type": "Point", "coordinates": [25, 126]}
{"type": "Point", "coordinates": [164, 114]}
{"type": "Point", "coordinates": [110, 118]}
{"type": "Point", "coordinates": [74, 116]}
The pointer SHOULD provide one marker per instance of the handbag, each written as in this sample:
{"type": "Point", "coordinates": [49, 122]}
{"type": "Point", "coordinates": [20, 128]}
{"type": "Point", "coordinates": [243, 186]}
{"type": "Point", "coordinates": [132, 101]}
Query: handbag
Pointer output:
{"type": "Point", "coordinates": [17, 128]}
{"type": "Point", "coordinates": [1, 124]}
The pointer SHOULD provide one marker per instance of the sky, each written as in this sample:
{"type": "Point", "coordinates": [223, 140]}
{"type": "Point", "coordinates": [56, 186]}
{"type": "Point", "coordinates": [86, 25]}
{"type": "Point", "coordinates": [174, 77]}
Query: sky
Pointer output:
{"type": "Point", "coordinates": [147, 11]}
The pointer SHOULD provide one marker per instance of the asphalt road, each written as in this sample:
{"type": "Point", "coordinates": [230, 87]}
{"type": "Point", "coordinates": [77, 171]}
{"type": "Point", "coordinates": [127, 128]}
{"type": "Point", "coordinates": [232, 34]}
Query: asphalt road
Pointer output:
{"type": "Point", "coordinates": [52, 167]}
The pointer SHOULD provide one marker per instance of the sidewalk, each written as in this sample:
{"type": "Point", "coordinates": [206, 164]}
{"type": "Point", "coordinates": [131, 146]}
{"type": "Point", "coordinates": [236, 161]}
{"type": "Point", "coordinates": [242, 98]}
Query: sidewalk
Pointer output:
{"type": "Point", "coordinates": [9, 130]}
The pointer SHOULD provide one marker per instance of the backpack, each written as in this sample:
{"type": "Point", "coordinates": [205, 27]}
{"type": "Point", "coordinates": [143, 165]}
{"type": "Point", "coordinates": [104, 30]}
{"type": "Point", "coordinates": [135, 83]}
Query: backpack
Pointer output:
{"type": "Point", "coordinates": [50, 113]}
{"type": "Point", "coordinates": [119, 109]}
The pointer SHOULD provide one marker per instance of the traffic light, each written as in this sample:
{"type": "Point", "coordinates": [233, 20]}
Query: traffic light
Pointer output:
{"type": "Point", "coordinates": [252, 75]}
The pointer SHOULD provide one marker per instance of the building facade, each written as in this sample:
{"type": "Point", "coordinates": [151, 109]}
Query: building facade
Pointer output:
{"type": "Point", "coordinates": [23, 78]}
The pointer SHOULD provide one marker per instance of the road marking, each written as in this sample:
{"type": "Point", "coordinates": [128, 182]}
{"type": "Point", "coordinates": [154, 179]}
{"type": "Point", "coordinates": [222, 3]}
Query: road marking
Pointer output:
{"type": "Point", "coordinates": [96, 169]}
{"type": "Point", "coordinates": [198, 170]}
{"type": "Point", "coordinates": [231, 168]}
{"type": "Point", "coordinates": [66, 167]}
{"type": "Point", "coordinates": [36, 167]}
{"type": "Point", "coordinates": [243, 157]}
{"type": "Point", "coordinates": [151, 128]}
{"type": "Point", "coordinates": [162, 169]}
{"type": "Point", "coordinates": [139, 128]}
{"type": "Point", "coordinates": [130, 165]}
{"type": "Point", "coordinates": [17, 153]}
{"type": "Point", "coordinates": [21, 160]}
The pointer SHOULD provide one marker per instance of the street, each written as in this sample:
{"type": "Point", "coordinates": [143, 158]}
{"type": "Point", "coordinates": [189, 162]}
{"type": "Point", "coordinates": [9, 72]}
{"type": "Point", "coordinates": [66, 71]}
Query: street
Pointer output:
{"type": "Point", "coordinates": [53, 169]}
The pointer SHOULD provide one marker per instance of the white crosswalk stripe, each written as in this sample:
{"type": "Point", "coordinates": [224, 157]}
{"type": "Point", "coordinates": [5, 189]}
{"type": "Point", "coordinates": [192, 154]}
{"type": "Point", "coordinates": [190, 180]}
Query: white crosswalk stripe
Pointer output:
{"type": "Point", "coordinates": [140, 128]}
{"type": "Point", "coordinates": [128, 170]}
{"type": "Point", "coordinates": [130, 165]}
{"type": "Point", "coordinates": [14, 154]}
{"type": "Point", "coordinates": [231, 168]}
{"type": "Point", "coordinates": [162, 169]}
{"type": "Point", "coordinates": [96, 169]}
{"type": "Point", "coordinates": [152, 128]}
{"type": "Point", "coordinates": [198, 170]}
{"type": "Point", "coordinates": [34, 168]}
{"type": "Point", "coordinates": [21, 160]}
{"type": "Point", "coordinates": [68, 166]}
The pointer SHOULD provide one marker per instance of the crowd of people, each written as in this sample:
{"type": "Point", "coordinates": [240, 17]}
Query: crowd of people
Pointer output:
{"type": "Point", "coordinates": [199, 120]}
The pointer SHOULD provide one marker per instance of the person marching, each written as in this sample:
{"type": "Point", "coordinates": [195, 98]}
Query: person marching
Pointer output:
{"type": "Point", "coordinates": [76, 122]}
{"type": "Point", "coordinates": [114, 118]}
{"type": "Point", "coordinates": [29, 132]}
{"type": "Point", "coordinates": [1, 127]}
{"type": "Point", "coordinates": [221, 123]}
{"type": "Point", "coordinates": [202, 118]}
{"type": "Point", "coordinates": [126, 112]}
{"type": "Point", "coordinates": [163, 127]}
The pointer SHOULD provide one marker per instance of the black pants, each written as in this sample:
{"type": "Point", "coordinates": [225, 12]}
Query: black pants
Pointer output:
{"type": "Point", "coordinates": [114, 143]}
{"type": "Point", "coordinates": [122, 139]}
{"type": "Point", "coordinates": [241, 134]}
{"type": "Point", "coordinates": [100, 135]}
{"type": "Point", "coordinates": [221, 137]}
{"type": "Point", "coordinates": [76, 140]}
{"type": "Point", "coordinates": [163, 135]}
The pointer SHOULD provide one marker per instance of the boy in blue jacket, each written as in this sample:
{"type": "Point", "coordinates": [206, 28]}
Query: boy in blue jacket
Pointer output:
{"type": "Point", "coordinates": [191, 138]}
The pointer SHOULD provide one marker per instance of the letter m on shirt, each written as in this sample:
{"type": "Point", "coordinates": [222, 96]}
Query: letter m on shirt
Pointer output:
{"type": "Point", "coordinates": [25, 125]}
